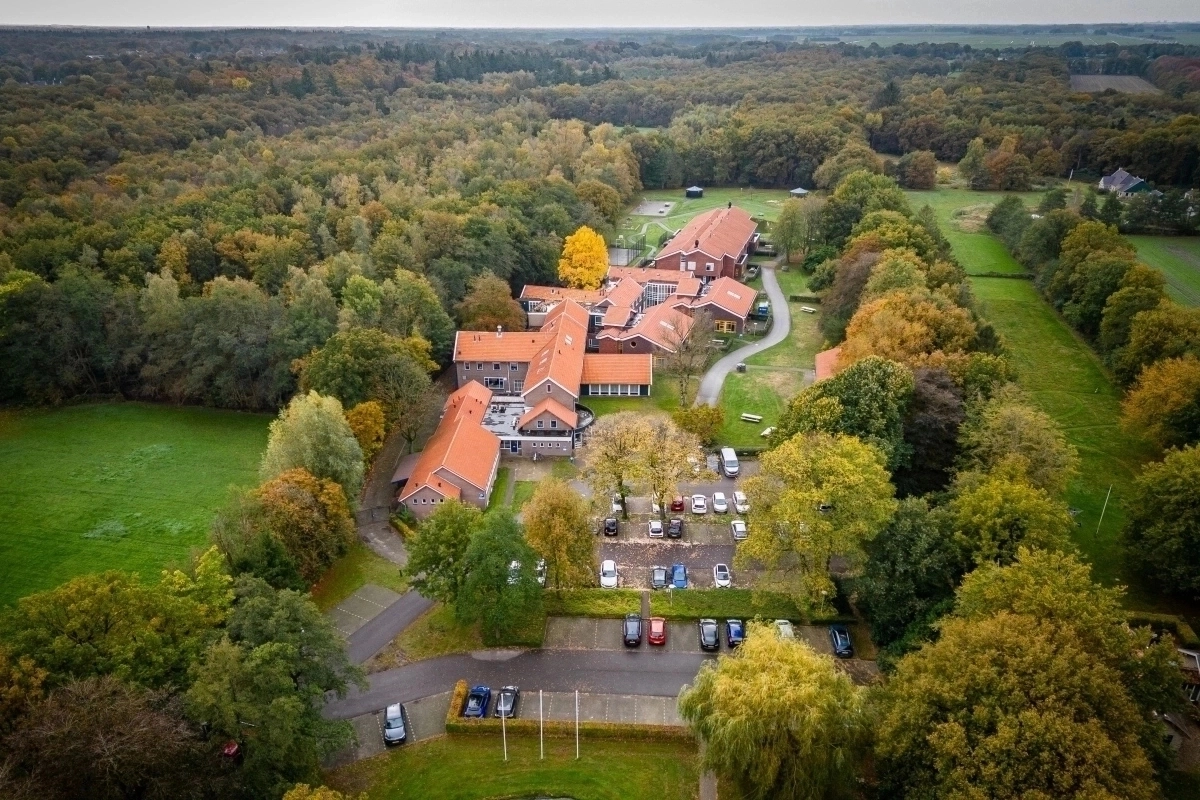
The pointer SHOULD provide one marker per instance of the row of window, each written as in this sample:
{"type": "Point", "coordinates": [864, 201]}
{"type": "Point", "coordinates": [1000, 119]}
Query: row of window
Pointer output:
{"type": "Point", "coordinates": [691, 265]}
{"type": "Point", "coordinates": [623, 389]}
{"type": "Point", "coordinates": [542, 423]}
{"type": "Point", "coordinates": [513, 366]}
{"type": "Point", "coordinates": [725, 326]}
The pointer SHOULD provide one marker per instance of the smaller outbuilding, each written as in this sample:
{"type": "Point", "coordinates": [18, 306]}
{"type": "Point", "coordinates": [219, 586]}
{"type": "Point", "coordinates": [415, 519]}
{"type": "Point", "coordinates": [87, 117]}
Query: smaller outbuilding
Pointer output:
{"type": "Point", "coordinates": [694, 192]}
{"type": "Point", "coordinates": [798, 192]}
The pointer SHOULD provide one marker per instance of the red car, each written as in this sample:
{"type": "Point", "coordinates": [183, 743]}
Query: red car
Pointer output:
{"type": "Point", "coordinates": [677, 503]}
{"type": "Point", "coordinates": [658, 631]}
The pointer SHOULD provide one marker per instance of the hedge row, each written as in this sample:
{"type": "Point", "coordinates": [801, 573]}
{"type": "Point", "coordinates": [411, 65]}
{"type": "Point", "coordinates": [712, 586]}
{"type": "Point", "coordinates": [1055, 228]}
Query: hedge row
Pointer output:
{"type": "Point", "coordinates": [1018, 276]}
{"type": "Point", "coordinates": [804, 298]}
{"type": "Point", "coordinates": [457, 699]}
{"type": "Point", "coordinates": [1182, 632]}
{"type": "Point", "coordinates": [565, 729]}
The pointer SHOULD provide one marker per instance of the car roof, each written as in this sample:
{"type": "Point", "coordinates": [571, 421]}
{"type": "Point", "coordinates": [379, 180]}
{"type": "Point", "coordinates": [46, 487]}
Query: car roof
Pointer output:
{"type": "Point", "coordinates": [394, 708]}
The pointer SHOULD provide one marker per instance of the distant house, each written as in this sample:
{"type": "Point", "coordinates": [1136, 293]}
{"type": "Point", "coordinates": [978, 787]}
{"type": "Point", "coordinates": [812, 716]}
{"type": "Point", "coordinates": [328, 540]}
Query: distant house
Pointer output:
{"type": "Point", "coordinates": [694, 192]}
{"type": "Point", "coordinates": [1123, 184]}
{"type": "Point", "coordinates": [711, 245]}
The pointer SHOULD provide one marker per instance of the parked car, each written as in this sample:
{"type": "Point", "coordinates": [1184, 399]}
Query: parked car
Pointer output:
{"type": "Point", "coordinates": [608, 574]}
{"type": "Point", "coordinates": [740, 504]}
{"type": "Point", "coordinates": [393, 725]}
{"type": "Point", "coordinates": [656, 528]}
{"type": "Point", "coordinates": [617, 506]}
{"type": "Point", "coordinates": [679, 576]}
{"type": "Point", "coordinates": [631, 630]}
{"type": "Point", "coordinates": [739, 530]}
{"type": "Point", "coordinates": [677, 503]}
{"type": "Point", "coordinates": [506, 702]}
{"type": "Point", "coordinates": [699, 504]}
{"type": "Point", "coordinates": [735, 632]}
{"type": "Point", "coordinates": [659, 578]}
{"type": "Point", "coordinates": [675, 528]}
{"type": "Point", "coordinates": [655, 508]}
{"type": "Point", "coordinates": [785, 629]}
{"type": "Point", "coordinates": [477, 702]}
{"type": "Point", "coordinates": [722, 578]}
{"type": "Point", "coordinates": [541, 572]}
{"type": "Point", "coordinates": [839, 636]}
{"type": "Point", "coordinates": [514, 572]}
{"type": "Point", "coordinates": [709, 638]}
{"type": "Point", "coordinates": [720, 504]}
{"type": "Point", "coordinates": [610, 526]}
{"type": "Point", "coordinates": [658, 631]}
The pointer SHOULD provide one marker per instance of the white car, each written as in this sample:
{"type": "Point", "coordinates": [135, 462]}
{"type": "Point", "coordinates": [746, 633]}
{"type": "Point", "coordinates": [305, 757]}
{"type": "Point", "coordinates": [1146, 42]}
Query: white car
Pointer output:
{"type": "Point", "coordinates": [740, 504]}
{"type": "Point", "coordinates": [608, 574]}
{"type": "Point", "coordinates": [699, 504]}
{"type": "Point", "coordinates": [784, 628]}
{"type": "Point", "coordinates": [514, 572]}
{"type": "Point", "coordinates": [656, 528]}
{"type": "Point", "coordinates": [739, 530]}
{"type": "Point", "coordinates": [720, 504]}
{"type": "Point", "coordinates": [617, 508]}
{"type": "Point", "coordinates": [722, 578]}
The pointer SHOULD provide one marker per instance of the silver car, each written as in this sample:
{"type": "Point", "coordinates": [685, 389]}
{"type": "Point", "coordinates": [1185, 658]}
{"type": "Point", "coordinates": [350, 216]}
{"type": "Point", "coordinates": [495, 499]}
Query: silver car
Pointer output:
{"type": "Point", "coordinates": [739, 530]}
{"type": "Point", "coordinates": [393, 725]}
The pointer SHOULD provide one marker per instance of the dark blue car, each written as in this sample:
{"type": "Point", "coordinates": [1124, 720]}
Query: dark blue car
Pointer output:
{"type": "Point", "coordinates": [477, 702]}
{"type": "Point", "coordinates": [839, 637]}
{"type": "Point", "coordinates": [735, 632]}
{"type": "Point", "coordinates": [679, 576]}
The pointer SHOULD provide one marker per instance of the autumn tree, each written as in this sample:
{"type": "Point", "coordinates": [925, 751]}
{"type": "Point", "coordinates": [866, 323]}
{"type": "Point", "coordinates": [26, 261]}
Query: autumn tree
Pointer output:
{"type": "Point", "coordinates": [668, 456]}
{"type": "Point", "coordinates": [369, 425]}
{"type": "Point", "coordinates": [312, 433]}
{"type": "Point", "coordinates": [489, 305]}
{"type": "Point", "coordinates": [1142, 289]}
{"type": "Point", "coordinates": [614, 463]}
{"type": "Point", "coordinates": [1166, 331]}
{"type": "Point", "coordinates": [993, 514]}
{"type": "Point", "coordinates": [1164, 403]}
{"type": "Point", "coordinates": [558, 528]}
{"type": "Point", "coordinates": [1163, 532]}
{"type": "Point", "coordinates": [302, 791]}
{"type": "Point", "coordinates": [241, 533]}
{"type": "Point", "coordinates": [815, 496]}
{"type": "Point", "coordinates": [584, 261]}
{"type": "Point", "coordinates": [364, 364]}
{"type": "Point", "coordinates": [916, 327]}
{"type": "Point", "coordinates": [759, 742]}
{"type": "Point", "coordinates": [854, 156]}
{"type": "Point", "coordinates": [21, 687]}
{"type": "Point", "coordinates": [310, 517]}
{"type": "Point", "coordinates": [703, 422]}
{"type": "Point", "coordinates": [602, 197]}
{"type": "Point", "coordinates": [1006, 430]}
{"type": "Point", "coordinates": [437, 554]}
{"type": "Point", "coordinates": [690, 353]}
{"type": "Point", "coordinates": [420, 413]}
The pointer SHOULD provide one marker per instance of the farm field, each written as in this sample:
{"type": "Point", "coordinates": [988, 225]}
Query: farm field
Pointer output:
{"type": "Point", "coordinates": [114, 486]}
{"type": "Point", "coordinates": [1066, 380]}
{"type": "Point", "coordinates": [464, 767]}
{"type": "Point", "coordinates": [1179, 259]}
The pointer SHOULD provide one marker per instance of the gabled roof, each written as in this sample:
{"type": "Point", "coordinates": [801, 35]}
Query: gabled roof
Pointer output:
{"type": "Point", "coordinates": [664, 325]}
{"type": "Point", "coordinates": [460, 445]}
{"type": "Point", "coordinates": [503, 346]}
{"type": "Point", "coordinates": [644, 275]}
{"type": "Point", "coordinates": [555, 293]}
{"type": "Point", "coordinates": [618, 368]}
{"type": "Point", "coordinates": [561, 359]}
{"type": "Point", "coordinates": [728, 294]}
{"type": "Point", "coordinates": [617, 316]}
{"type": "Point", "coordinates": [719, 233]}
{"type": "Point", "coordinates": [827, 363]}
{"type": "Point", "coordinates": [1120, 181]}
{"type": "Point", "coordinates": [626, 293]}
{"type": "Point", "coordinates": [689, 287]}
{"type": "Point", "coordinates": [564, 414]}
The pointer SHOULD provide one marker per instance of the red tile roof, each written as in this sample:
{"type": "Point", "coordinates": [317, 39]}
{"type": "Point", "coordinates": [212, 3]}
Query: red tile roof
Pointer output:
{"type": "Point", "coordinates": [726, 293]}
{"type": "Point", "coordinates": [565, 415]}
{"type": "Point", "coordinates": [627, 292]}
{"type": "Point", "coordinates": [617, 316]}
{"type": "Point", "coordinates": [555, 293]}
{"type": "Point", "coordinates": [644, 275]}
{"type": "Point", "coordinates": [719, 233]}
{"type": "Point", "coordinates": [663, 324]}
{"type": "Point", "coordinates": [504, 346]}
{"type": "Point", "coordinates": [561, 359]}
{"type": "Point", "coordinates": [618, 368]}
{"type": "Point", "coordinates": [460, 445]}
{"type": "Point", "coordinates": [827, 363]}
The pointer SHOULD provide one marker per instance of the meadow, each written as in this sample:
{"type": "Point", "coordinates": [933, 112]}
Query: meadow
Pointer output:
{"type": "Point", "coordinates": [763, 203]}
{"type": "Point", "coordinates": [1178, 258]}
{"type": "Point", "coordinates": [114, 486]}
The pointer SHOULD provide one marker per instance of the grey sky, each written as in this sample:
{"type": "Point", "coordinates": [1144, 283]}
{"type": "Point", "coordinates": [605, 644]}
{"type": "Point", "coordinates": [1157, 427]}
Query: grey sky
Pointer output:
{"type": "Point", "coordinates": [577, 13]}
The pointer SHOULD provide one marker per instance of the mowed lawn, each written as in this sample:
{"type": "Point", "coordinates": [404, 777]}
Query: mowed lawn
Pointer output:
{"type": "Point", "coordinates": [763, 203]}
{"type": "Point", "coordinates": [114, 486]}
{"type": "Point", "coordinates": [962, 214]}
{"type": "Point", "coordinates": [1179, 259]}
{"type": "Point", "coordinates": [463, 767]}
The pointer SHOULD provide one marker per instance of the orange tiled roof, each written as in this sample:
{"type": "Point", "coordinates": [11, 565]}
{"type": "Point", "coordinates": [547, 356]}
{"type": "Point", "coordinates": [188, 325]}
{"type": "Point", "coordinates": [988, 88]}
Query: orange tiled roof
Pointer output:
{"type": "Point", "coordinates": [460, 445]}
{"type": "Point", "coordinates": [617, 316]}
{"type": "Point", "coordinates": [626, 293]}
{"type": "Point", "coordinates": [663, 324]}
{"type": "Point", "coordinates": [689, 287]}
{"type": "Point", "coordinates": [644, 275]}
{"type": "Point", "coordinates": [726, 293]}
{"type": "Point", "coordinates": [561, 358]}
{"type": "Point", "coordinates": [719, 233]}
{"type": "Point", "coordinates": [565, 415]}
{"type": "Point", "coordinates": [618, 368]}
{"type": "Point", "coordinates": [504, 346]}
{"type": "Point", "coordinates": [554, 293]}
{"type": "Point", "coordinates": [827, 363]}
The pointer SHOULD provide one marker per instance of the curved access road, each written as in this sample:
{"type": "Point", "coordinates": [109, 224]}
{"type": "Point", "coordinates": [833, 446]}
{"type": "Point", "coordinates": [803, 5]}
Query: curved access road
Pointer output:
{"type": "Point", "coordinates": [642, 672]}
{"type": "Point", "coordinates": [781, 325]}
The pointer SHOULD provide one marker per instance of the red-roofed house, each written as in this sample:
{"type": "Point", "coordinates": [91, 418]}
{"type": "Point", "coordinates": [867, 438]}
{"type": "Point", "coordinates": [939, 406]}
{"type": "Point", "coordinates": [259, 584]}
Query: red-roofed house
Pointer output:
{"type": "Point", "coordinates": [711, 245]}
{"type": "Point", "coordinates": [729, 303]}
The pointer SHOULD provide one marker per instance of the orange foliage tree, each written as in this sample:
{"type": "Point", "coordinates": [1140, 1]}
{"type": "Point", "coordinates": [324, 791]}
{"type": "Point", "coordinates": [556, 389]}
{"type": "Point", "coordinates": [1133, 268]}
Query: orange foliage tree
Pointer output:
{"type": "Point", "coordinates": [309, 516]}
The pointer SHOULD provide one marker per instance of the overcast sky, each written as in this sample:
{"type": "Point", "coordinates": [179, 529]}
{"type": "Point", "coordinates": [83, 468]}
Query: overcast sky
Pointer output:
{"type": "Point", "coordinates": [581, 13]}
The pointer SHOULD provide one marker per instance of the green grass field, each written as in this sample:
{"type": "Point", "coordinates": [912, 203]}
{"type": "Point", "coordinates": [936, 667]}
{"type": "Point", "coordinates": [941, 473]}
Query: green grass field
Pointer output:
{"type": "Point", "coordinates": [962, 214]}
{"type": "Point", "coordinates": [114, 486]}
{"type": "Point", "coordinates": [1179, 259]}
{"type": "Point", "coordinates": [473, 767]}
{"type": "Point", "coordinates": [351, 572]}
{"type": "Point", "coordinates": [763, 203]}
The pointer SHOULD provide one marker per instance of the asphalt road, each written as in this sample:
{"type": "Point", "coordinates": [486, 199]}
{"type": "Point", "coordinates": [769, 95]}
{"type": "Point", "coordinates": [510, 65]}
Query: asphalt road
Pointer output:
{"type": "Point", "coordinates": [781, 324]}
{"type": "Point", "coordinates": [642, 672]}
{"type": "Point", "coordinates": [385, 626]}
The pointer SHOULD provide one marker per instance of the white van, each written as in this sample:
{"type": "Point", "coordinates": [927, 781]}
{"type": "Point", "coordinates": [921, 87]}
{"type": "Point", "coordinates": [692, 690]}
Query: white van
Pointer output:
{"type": "Point", "coordinates": [729, 462]}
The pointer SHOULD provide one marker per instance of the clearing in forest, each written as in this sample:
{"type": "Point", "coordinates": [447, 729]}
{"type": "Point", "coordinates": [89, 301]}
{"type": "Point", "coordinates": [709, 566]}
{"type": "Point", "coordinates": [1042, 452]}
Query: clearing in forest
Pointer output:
{"type": "Point", "coordinates": [1179, 259]}
{"type": "Point", "coordinates": [1129, 84]}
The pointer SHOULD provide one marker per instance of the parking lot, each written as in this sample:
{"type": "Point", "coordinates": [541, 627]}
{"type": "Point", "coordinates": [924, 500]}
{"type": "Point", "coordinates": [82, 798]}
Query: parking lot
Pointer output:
{"type": "Point", "coordinates": [589, 633]}
{"type": "Point", "coordinates": [423, 719]}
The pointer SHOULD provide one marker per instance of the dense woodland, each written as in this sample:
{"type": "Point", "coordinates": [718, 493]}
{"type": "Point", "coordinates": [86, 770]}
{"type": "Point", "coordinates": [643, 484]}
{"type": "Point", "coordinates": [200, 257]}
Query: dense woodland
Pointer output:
{"type": "Point", "coordinates": [275, 220]}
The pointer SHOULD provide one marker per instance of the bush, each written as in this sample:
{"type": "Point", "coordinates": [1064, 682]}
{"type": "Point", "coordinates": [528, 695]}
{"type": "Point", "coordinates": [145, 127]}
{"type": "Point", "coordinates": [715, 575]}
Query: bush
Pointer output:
{"type": "Point", "coordinates": [565, 729]}
{"type": "Point", "coordinates": [1169, 623]}
{"type": "Point", "coordinates": [730, 603]}
{"type": "Point", "coordinates": [457, 698]}
{"type": "Point", "coordinates": [592, 602]}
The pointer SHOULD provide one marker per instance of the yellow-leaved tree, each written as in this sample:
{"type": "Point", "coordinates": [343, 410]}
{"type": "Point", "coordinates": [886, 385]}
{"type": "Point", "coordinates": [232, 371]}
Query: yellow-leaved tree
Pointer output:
{"type": "Point", "coordinates": [584, 261]}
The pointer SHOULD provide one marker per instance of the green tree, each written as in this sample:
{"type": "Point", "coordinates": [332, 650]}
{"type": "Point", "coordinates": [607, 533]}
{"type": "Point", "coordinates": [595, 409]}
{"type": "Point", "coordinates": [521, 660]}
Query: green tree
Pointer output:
{"type": "Point", "coordinates": [492, 595]}
{"type": "Point", "coordinates": [815, 496]}
{"type": "Point", "coordinates": [1111, 210]}
{"type": "Point", "coordinates": [972, 167]}
{"type": "Point", "coordinates": [1141, 289]}
{"type": "Point", "coordinates": [703, 422]}
{"type": "Point", "coordinates": [558, 528]}
{"type": "Point", "coordinates": [759, 742]}
{"type": "Point", "coordinates": [409, 307]}
{"type": "Point", "coordinates": [995, 513]}
{"type": "Point", "coordinates": [312, 433]}
{"type": "Point", "coordinates": [241, 533]}
{"type": "Point", "coordinates": [488, 305]}
{"type": "Point", "coordinates": [437, 566]}
{"type": "Point", "coordinates": [1007, 430]}
{"type": "Point", "coordinates": [790, 233]}
{"type": "Point", "coordinates": [1167, 331]}
{"type": "Point", "coordinates": [1164, 403]}
{"type": "Point", "coordinates": [1163, 532]}
{"type": "Point", "coordinates": [364, 364]}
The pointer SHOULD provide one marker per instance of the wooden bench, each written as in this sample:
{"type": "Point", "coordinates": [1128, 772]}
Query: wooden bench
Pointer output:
{"type": "Point", "coordinates": [752, 418]}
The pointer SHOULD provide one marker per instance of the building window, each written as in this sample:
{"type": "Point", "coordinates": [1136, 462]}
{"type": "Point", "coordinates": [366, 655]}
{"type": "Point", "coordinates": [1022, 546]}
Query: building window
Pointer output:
{"type": "Point", "coordinates": [479, 366]}
{"type": "Point", "coordinates": [725, 326]}
{"type": "Point", "coordinates": [495, 367]}
{"type": "Point", "coordinates": [710, 267]}
{"type": "Point", "coordinates": [541, 424]}
{"type": "Point", "coordinates": [518, 386]}
{"type": "Point", "coordinates": [549, 388]}
{"type": "Point", "coordinates": [553, 423]}
{"type": "Point", "coordinates": [512, 366]}
{"type": "Point", "coordinates": [633, 344]}
{"type": "Point", "coordinates": [467, 367]}
{"type": "Point", "coordinates": [493, 383]}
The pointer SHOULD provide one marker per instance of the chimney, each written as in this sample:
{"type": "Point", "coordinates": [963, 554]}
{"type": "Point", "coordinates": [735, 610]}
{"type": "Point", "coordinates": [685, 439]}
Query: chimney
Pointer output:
{"type": "Point", "coordinates": [697, 244]}
{"type": "Point", "coordinates": [499, 330]}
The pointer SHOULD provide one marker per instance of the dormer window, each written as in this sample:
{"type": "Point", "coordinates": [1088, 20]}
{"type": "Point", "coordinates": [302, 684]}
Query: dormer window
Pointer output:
{"type": "Point", "coordinates": [541, 424]}
{"type": "Point", "coordinates": [553, 423]}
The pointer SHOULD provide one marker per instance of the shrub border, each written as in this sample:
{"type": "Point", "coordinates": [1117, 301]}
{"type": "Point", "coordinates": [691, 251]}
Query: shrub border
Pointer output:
{"type": "Point", "coordinates": [1182, 631]}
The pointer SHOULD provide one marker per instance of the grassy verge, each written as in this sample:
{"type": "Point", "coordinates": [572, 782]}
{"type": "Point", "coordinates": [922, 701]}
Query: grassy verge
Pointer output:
{"type": "Point", "coordinates": [351, 572]}
{"type": "Point", "coordinates": [473, 767]}
{"type": "Point", "coordinates": [500, 488]}
{"type": "Point", "coordinates": [724, 604]}
{"type": "Point", "coordinates": [128, 486]}
{"type": "Point", "coordinates": [521, 493]}
{"type": "Point", "coordinates": [592, 602]}
{"type": "Point", "coordinates": [1179, 259]}
{"type": "Point", "coordinates": [438, 633]}
{"type": "Point", "coordinates": [664, 396]}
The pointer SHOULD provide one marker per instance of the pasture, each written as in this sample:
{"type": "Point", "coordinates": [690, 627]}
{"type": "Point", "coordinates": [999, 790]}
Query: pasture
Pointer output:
{"type": "Point", "coordinates": [114, 486]}
{"type": "Point", "coordinates": [1178, 257]}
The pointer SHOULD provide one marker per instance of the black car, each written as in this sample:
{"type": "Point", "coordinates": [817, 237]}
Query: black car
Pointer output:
{"type": "Point", "coordinates": [675, 529]}
{"type": "Point", "coordinates": [735, 632]}
{"type": "Point", "coordinates": [839, 636]}
{"type": "Point", "coordinates": [632, 630]}
{"type": "Point", "coordinates": [610, 526]}
{"type": "Point", "coordinates": [659, 578]}
{"type": "Point", "coordinates": [506, 702]}
{"type": "Point", "coordinates": [709, 638]}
